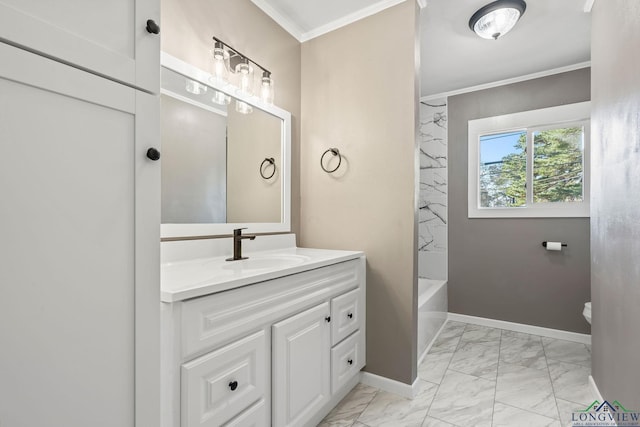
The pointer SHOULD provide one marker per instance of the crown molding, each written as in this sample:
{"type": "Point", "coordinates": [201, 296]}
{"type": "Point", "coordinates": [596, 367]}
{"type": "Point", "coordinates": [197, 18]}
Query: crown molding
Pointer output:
{"type": "Point", "coordinates": [518, 79]}
{"type": "Point", "coordinates": [286, 23]}
{"type": "Point", "coordinates": [349, 19]}
{"type": "Point", "coordinates": [302, 36]}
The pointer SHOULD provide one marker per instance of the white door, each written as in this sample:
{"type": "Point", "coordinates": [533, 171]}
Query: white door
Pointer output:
{"type": "Point", "coordinates": [79, 248]}
{"type": "Point", "coordinates": [105, 37]}
{"type": "Point", "coordinates": [301, 363]}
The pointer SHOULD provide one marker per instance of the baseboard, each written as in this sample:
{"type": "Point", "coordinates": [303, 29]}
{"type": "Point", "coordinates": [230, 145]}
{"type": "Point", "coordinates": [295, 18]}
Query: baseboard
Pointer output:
{"type": "Point", "coordinates": [389, 385]}
{"type": "Point", "coordinates": [426, 350]}
{"type": "Point", "coordinates": [594, 389]}
{"type": "Point", "coordinates": [520, 327]}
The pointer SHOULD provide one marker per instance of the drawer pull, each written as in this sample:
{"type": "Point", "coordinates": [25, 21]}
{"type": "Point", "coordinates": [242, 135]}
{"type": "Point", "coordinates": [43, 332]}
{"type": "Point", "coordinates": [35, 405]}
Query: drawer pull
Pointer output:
{"type": "Point", "coordinates": [152, 27]}
{"type": "Point", "coordinates": [233, 385]}
{"type": "Point", "coordinates": [350, 315]}
{"type": "Point", "coordinates": [350, 361]}
{"type": "Point", "coordinates": [327, 319]}
{"type": "Point", "coordinates": [153, 154]}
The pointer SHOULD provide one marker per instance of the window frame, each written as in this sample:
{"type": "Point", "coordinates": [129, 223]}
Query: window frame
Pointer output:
{"type": "Point", "coordinates": [530, 121]}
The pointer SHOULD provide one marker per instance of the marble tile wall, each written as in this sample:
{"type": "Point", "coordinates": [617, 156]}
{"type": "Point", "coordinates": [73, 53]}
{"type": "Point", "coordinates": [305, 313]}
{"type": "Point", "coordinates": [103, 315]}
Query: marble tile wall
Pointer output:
{"type": "Point", "coordinates": [432, 240]}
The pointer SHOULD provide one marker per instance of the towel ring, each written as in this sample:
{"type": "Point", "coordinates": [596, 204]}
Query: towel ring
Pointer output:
{"type": "Point", "coordinates": [335, 152]}
{"type": "Point", "coordinates": [271, 161]}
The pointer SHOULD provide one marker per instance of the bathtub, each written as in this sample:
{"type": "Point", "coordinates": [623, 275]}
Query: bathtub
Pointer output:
{"type": "Point", "coordinates": [432, 312]}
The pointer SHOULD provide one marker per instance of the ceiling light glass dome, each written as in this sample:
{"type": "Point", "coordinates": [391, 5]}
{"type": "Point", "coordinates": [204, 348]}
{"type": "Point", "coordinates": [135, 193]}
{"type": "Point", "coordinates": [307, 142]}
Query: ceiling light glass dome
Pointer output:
{"type": "Point", "coordinates": [497, 19]}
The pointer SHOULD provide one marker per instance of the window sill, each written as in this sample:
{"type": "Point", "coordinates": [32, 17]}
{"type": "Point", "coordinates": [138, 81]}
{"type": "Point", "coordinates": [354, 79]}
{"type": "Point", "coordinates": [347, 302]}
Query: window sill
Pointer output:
{"type": "Point", "coordinates": [579, 210]}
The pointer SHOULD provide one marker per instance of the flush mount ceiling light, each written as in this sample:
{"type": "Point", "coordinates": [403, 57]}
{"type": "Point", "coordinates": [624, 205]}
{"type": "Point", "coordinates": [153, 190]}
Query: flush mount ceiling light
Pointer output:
{"type": "Point", "coordinates": [497, 19]}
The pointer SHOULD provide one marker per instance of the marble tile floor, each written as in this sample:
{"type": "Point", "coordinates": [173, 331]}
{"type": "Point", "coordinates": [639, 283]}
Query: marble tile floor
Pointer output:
{"type": "Point", "coordinates": [474, 376]}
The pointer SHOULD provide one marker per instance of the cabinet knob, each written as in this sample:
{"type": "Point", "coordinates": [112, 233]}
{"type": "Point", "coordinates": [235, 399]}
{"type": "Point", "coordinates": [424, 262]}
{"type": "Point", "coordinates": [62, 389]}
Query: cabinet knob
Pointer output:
{"type": "Point", "coordinates": [233, 385]}
{"type": "Point", "coordinates": [153, 154]}
{"type": "Point", "coordinates": [350, 361]}
{"type": "Point", "coordinates": [350, 315]}
{"type": "Point", "coordinates": [327, 319]}
{"type": "Point", "coordinates": [152, 27]}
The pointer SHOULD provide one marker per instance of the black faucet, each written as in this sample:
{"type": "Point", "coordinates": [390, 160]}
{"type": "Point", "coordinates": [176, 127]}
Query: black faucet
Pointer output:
{"type": "Point", "coordinates": [237, 244]}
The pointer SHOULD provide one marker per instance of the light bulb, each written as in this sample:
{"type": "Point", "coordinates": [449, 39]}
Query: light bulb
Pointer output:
{"type": "Point", "coordinates": [497, 23]}
{"type": "Point", "coordinates": [266, 88]}
{"type": "Point", "coordinates": [496, 19]}
{"type": "Point", "coordinates": [220, 56]}
{"type": "Point", "coordinates": [243, 107]}
{"type": "Point", "coordinates": [221, 98]}
{"type": "Point", "coordinates": [194, 87]}
{"type": "Point", "coordinates": [245, 77]}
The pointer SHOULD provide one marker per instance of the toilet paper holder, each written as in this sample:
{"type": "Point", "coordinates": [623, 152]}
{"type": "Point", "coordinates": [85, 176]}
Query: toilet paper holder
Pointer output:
{"type": "Point", "coordinates": [545, 244]}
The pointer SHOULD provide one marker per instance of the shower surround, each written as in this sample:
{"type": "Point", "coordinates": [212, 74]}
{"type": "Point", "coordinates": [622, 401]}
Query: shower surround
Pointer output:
{"type": "Point", "coordinates": [432, 241]}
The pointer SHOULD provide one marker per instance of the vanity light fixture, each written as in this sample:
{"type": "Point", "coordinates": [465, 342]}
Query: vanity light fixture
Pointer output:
{"type": "Point", "coordinates": [236, 69]}
{"type": "Point", "coordinates": [221, 98]}
{"type": "Point", "coordinates": [266, 88]}
{"type": "Point", "coordinates": [244, 73]}
{"type": "Point", "coordinates": [496, 19]}
{"type": "Point", "coordinates": [194, 87]}
{"type": "Point", "coordinates": [243, 107]}
{"type": "Point", "coordinates": [220, 57]}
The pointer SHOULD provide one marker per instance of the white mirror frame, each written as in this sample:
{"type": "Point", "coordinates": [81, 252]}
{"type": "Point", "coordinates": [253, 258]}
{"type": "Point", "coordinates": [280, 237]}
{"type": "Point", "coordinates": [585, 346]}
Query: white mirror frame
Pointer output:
{"type": "Point", "coordinates": [190, 231]}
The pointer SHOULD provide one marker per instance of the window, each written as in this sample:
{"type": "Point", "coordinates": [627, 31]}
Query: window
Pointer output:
{"type": "Point", "coordinates": [530, 164]}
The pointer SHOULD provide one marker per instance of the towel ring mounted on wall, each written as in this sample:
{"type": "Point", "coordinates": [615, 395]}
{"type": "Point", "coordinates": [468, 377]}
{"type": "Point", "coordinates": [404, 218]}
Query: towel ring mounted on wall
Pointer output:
{"type": "Point", "coordinates": [269, 161]}
{"type": "Point", "coordinates": [335, 152]}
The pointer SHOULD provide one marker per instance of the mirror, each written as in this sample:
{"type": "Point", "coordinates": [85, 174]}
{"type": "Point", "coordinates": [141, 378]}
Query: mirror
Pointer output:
{"type": "Point", "coordinates": [224, 166]}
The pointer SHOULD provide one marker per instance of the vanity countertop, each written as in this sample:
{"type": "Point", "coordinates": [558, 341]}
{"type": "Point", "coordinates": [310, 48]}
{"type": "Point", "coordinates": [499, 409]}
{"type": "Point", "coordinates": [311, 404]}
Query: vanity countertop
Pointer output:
{"type": "Point", "coordinates": [186, 279]}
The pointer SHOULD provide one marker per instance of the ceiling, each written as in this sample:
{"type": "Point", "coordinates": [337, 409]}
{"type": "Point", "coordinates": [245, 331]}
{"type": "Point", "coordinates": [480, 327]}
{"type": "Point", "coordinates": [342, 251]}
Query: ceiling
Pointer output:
{"type": "Point", "coordinates": [551, 35]}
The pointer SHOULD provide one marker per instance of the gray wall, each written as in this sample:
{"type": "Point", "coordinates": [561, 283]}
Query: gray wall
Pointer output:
{"type": "Point", "coordinates": [497, 267]}
{"type": "Point", "coordinates": [615, 208]}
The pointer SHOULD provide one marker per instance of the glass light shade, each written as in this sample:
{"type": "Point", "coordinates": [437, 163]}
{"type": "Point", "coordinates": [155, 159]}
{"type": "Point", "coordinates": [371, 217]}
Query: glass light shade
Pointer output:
{"type": "Point", "coordinates": [267, 89]}
{"type": "Point", "coordinates": [244, 75]}
{"type": "Point", "coordinates": [219, 71]}
{"type": "Point", "coordinates": [496, 23]}
{"type": "Point", "coordinates": [243, 108]}
{"type": "Point", "coordinates": [221, 98]}
{"type": "Point", "coordinates": [194, 87]}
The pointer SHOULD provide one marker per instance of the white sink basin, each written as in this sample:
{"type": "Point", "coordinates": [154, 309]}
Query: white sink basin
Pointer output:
{"type": "Point", "coordinates": [191, 278]}
{"type": "Point", "coordinates": [190, 272]}
{"type": "Point", "coordinates": [266, 262]}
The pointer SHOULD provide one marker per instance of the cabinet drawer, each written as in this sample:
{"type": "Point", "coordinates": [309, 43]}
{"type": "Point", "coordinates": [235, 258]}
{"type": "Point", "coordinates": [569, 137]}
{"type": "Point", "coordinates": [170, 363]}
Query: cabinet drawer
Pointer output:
{"type": "Point", "coordinates": [345, 315]}
{"type": "Point", "coordinates": [347, 358]}
{"type": "Point", "coordinates": [220, 385]}
{"type": "Point", "coordinates": [256, 416]}
{"type": "Point", "coordinates": [215, 320]}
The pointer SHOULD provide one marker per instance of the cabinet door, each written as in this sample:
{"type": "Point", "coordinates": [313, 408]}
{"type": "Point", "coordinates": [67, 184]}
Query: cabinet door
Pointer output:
{"type": "Point", "coordinates": [301, 359]}
{"type": "Point", "coordinates": [105, 37]}
{"type": "Point", "coordinates": [79, 229]}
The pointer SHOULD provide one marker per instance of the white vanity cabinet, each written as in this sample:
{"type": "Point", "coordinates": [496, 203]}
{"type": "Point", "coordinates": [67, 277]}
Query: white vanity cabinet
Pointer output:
{"type": "Point", "coordinates": [267, 353]}
{"type": "Point", "coordinates": [109, 38]}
